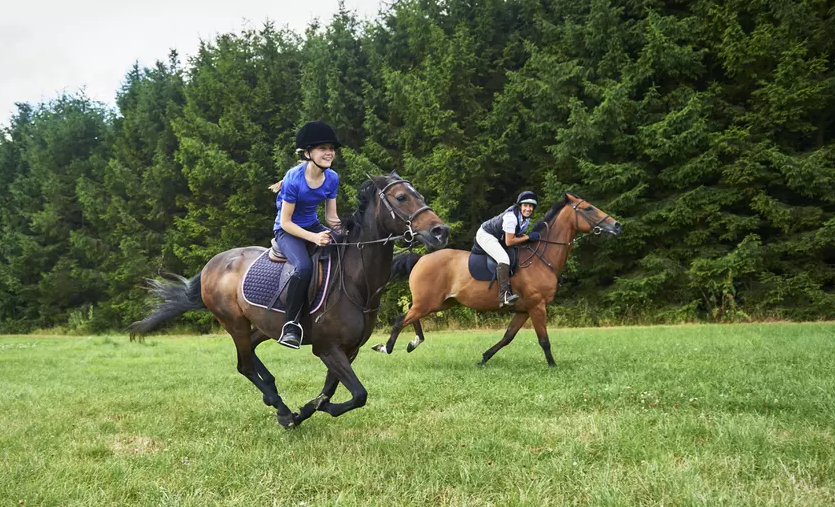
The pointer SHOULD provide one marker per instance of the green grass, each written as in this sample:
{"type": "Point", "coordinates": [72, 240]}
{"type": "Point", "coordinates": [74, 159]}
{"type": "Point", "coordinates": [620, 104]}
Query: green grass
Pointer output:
{"type": "Point", "coordinates": [691, 415]}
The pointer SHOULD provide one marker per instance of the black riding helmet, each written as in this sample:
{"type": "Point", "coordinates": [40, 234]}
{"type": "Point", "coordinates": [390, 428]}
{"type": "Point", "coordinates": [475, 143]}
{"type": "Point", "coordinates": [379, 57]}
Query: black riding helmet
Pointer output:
{"type": "Point", "coordinates": [526, 197]}
{"type": "Point", "coordinates": [316, 133]}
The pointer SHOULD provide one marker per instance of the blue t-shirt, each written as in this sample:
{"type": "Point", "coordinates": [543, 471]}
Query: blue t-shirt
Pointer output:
{"type": "Point", "coordinates": [295, 189]}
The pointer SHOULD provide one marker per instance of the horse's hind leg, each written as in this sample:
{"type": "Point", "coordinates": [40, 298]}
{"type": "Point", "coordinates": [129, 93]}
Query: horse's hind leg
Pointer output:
{"type": "Point", "coordinates": [515, 325]}
{"type": "Point", "coordinates": [240, 330]}
{"type": "Point", "coordinates": [415, 313]}
{"type": "Point", "coordinates": [418, 337]}
{"type": "Point", "coordinates": [255, 339]}
{"type": "Point", "coordinates": [396, 327]}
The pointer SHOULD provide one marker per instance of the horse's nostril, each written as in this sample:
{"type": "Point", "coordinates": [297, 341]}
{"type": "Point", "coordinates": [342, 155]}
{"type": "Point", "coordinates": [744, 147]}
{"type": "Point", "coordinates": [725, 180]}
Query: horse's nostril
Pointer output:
{"type": "Point", "coordinates": [441, 232]}
{"type": "Point", "coordinates": [617, 228]}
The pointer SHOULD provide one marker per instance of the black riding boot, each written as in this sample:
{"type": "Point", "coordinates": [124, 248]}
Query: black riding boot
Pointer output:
{"type": "Point", "coordinates": [292, 333]}
{"type": "Point", "coordinates": [506, 297]}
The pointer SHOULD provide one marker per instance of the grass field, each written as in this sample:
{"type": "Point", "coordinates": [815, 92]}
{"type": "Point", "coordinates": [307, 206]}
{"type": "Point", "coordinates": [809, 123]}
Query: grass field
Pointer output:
{"type": "Point", "coordinates": [692, 415]}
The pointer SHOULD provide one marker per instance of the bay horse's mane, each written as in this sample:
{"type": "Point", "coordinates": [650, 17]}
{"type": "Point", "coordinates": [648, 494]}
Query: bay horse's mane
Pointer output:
{"type": "Point", "coordinates": [353, 223]}
{"type": "Point", "coordinates": [554, 211]}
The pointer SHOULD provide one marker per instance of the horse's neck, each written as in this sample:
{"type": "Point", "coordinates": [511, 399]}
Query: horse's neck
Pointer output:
{"type": "Point", "coordinates": [370, 265]}
{"type": "Point", "coordinates": [561, 230]}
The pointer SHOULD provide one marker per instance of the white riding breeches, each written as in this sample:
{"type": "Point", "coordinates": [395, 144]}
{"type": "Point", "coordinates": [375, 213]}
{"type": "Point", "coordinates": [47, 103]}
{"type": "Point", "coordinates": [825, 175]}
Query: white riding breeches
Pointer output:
{"type": "Point", "coordinates": [492, 246]}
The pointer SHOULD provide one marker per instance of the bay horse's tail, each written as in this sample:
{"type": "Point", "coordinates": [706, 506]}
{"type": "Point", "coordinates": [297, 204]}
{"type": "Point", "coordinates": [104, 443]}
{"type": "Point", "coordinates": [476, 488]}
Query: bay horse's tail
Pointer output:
{"type": "Point", "coordinates": [401, 265]}
{"type": "Point", "coordinates": [177, 297]}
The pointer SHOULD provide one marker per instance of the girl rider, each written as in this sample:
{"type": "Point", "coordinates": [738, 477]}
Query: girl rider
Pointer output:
{"type": "Point", "coordinates": [504, 231]}
{"type": "Point", "coordinates": [305, 187]}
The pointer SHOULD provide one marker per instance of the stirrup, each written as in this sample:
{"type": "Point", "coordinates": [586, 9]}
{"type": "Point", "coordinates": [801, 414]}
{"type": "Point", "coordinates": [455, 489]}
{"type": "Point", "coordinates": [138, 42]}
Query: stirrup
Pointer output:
{"type": "Point", "coordinates": [285, 337]}
{"type": "Point", "coordinates": [508, 298]}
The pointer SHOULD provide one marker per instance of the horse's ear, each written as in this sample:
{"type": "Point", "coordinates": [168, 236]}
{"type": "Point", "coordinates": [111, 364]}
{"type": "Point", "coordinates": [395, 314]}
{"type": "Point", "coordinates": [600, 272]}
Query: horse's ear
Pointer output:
{"type": "Point", "coordinates": [565, 196]}
{"type": "Point", "coordinates": [395, 175]}
{"type": "Point", "coordinates": [379, 181]}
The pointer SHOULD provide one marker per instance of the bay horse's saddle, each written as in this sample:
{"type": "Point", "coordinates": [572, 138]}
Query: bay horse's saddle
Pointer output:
{"type": "Point", "coordinates": [265, 282]}
{"type": "Point", "coordinates": [483, 267]}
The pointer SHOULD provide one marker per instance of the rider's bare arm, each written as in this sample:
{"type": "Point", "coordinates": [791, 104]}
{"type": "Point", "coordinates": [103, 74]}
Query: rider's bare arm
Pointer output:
{"type": "Point", "coordinates": [511, 239]}
{"type": "Point", "coordinates": [287, 209]}
{"type": "Point", "coordinates": [331, 216]}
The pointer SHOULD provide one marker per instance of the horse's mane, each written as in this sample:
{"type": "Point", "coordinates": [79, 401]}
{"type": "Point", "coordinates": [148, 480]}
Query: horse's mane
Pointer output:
{"type": "Point", "coordinates": [353, 223]}
{"type": "Point", "coordinates": [554, 211]}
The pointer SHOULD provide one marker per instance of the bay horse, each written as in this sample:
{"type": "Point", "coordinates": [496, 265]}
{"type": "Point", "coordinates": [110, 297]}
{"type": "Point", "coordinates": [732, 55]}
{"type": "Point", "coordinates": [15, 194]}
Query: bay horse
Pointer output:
{"type": "Point", "coordinates": [442, 279]}
{"type": "Point", "coordinates": [389, 209]}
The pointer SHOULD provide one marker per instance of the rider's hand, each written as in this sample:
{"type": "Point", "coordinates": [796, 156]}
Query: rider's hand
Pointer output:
{"type": "Point", "coordinates": [322, 238]}
{"type": "Point", "coordinates": [534, 236]}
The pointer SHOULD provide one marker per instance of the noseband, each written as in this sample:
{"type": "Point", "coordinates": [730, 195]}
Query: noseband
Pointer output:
{"type": "Point", "coordinates": [409, 235]}
{"type": "Point", "coordinates": [595, 226]}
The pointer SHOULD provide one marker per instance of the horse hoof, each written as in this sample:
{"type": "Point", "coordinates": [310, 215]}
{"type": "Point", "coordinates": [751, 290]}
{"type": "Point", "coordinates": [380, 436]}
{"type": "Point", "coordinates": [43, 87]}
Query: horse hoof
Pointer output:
{"type": "Point", "coordinates": [380, 348]}
{"type": "Point", "coordinates": [318, 402]}
{"type": "Point", "coordinates": [413, 344]}
{"type": "Point", "coordinates": [287, 421]}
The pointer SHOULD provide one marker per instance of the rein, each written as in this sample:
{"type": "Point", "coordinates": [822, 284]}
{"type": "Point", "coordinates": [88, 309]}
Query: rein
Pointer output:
{"type": "Point", "coordinates": [408, 236]}
{"type": "Point", "coordinates": [596, 230]}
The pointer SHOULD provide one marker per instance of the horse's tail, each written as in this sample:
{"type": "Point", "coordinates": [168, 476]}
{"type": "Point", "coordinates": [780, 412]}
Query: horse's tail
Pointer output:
{"type": "Point", "coordinates": [401, 265]}
{"type": "Point", "coordinates": [177, 297]}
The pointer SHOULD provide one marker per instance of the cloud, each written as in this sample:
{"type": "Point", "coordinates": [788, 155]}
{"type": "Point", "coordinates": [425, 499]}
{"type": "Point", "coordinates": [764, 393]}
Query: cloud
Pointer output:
{"type": "Point", "coordinates": [54, 47]}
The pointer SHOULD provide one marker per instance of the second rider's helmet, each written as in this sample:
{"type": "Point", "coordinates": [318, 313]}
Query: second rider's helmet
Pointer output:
{"type": "Point", "coordinates": [526, 197]}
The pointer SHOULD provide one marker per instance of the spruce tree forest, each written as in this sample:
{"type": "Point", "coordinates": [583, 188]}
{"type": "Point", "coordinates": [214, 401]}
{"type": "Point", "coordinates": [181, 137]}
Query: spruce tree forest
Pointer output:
{"type": "Point", "coordinates": [706, 128]}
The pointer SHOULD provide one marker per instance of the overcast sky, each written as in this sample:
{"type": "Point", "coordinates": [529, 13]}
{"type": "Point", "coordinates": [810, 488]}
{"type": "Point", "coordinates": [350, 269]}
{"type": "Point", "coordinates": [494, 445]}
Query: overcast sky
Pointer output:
{"type": "Point", "coordinates": [47, 47]}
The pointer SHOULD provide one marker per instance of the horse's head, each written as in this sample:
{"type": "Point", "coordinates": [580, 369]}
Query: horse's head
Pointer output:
{"type": "Point", "coordinates": [589, 219]}
{"type": "Point", "coordinates": [584, 216]}
{"type": "Point", "coordinates": [404, 211]}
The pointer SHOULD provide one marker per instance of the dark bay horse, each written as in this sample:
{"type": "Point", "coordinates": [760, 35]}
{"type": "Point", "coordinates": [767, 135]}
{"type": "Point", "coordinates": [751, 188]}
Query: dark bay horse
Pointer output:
{"type": "Point", "coordinates": [389, 206]}
{"type": "Point", "coordinates": [442, 279]}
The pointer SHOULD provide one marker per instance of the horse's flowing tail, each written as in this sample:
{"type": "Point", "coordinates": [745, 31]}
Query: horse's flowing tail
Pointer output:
{"type": "Point", "coordinates": [178, 297]}
{"type": "Point", "coordinates": [401, 265]}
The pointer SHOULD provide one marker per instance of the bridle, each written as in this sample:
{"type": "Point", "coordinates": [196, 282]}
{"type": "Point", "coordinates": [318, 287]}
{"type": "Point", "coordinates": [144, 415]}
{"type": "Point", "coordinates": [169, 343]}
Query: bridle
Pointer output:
{"type": "Point", "coordinates": [596, 230]}
{"type": "Point", "coordinates": [595, 226]}
{"type": "Point", "coordinates": [408, 236]}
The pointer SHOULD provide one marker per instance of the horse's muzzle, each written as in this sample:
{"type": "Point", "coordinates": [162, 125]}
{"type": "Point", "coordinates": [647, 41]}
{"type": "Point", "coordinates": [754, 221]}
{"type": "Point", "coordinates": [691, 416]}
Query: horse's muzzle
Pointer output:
{"type": "Point", "coordinates": [436, 237]}
{"type": "Point", "coordinates": [614, 228]}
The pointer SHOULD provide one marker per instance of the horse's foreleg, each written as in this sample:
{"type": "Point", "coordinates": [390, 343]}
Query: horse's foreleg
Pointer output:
{"type": "Point", "coordinates": [515, 325]}
{"type": "Point", "coordinates": [538, 318]}
{"type": "Point", "coordinates": [339, 364]}
{"type": "Point", "coordinates": [310, 408]}
{"type": "Point", "coordinates": [418, 337]}
{"type": "Point", "coordinates": [331, 383]}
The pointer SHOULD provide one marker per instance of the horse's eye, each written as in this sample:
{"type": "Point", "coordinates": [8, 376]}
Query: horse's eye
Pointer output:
{"type": "Point", "coordinates": [401, 197]}
{"type": "Point", "coordinates": [589, 208]}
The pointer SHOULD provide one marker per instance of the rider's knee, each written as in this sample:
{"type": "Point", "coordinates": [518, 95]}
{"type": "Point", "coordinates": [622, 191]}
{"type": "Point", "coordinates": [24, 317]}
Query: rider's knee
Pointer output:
{"type": "Point", "coordinates": [304, 273]}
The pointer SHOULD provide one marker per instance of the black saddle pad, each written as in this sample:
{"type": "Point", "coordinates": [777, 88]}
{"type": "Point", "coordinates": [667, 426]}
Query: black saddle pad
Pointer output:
{"type": "Point", "coordinates": [483, 267]}
{"type": "Point", "coordinates": [264, 277]}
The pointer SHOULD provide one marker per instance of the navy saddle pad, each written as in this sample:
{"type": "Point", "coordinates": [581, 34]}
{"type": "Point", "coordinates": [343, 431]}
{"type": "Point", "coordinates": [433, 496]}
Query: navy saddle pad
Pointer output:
{"type": "Point", "coordinates": [264, 277]}
{"type": "Point", "coordinates": [483, 267]}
